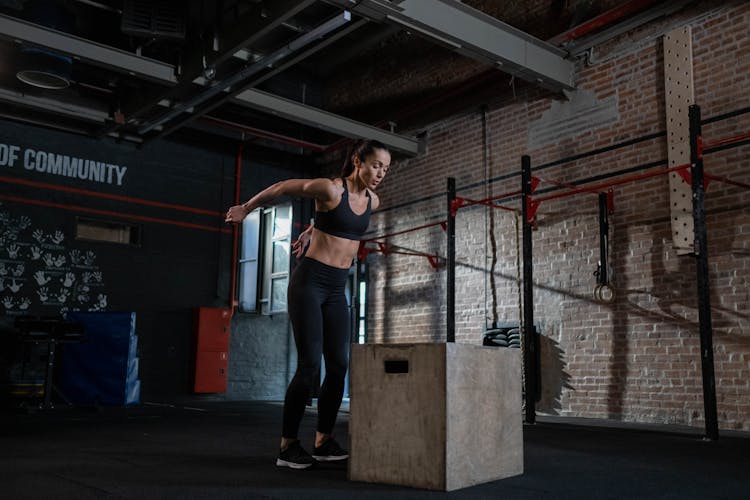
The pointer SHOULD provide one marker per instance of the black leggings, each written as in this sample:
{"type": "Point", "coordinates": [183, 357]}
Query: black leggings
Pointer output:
{"type": "Point", "coordinates": [320, 318]}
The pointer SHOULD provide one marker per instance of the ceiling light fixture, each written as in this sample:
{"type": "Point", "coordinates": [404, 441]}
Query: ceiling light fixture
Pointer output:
{"type": "Point", "coordinates": [44, 69]}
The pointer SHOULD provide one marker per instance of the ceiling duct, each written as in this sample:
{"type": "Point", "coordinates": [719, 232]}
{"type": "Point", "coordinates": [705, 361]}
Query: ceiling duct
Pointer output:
{"type": "Point", "coordinates": [163, 20]}
{"type": "Point", "coordinates": [12, 4]}
{"type": "Point", "coordinates": [42, 67]}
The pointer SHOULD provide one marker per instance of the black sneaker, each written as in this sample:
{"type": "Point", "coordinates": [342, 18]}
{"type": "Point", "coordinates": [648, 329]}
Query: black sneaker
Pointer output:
{"type": "Point", "coordinates": [295, 457]}
{"type": "Point", "coordinates": [330, 451]}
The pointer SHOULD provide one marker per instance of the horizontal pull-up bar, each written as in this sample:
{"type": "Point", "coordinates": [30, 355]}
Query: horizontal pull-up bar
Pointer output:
{"type": "Point", "coordinates": [725, 181]}
{"type": "Point", "coordinates": [459, 202]}
{"type": "Point", "coordinates": [726, 141]}
{"type": "Point", "coordinates": [464, 202]}
{"type": "Point", "coordinates": [385, 249]}
{"type": "Point", "coordinates": [534, 203]}
{"type": "Point", "coordinates": [376, 238]}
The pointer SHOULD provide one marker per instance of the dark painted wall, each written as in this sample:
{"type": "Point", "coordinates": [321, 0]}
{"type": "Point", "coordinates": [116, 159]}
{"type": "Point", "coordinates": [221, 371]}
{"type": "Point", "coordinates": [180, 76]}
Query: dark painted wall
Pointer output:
{"type": "Point", "coordinates": [181, 262]}
{"type": "Point", "coordinates": [262, 357]}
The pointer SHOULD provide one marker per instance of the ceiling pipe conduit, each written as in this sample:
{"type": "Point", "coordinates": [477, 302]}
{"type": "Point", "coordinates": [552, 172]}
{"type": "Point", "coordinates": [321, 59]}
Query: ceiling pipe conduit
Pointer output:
{"type": "Point", "coordinates": [323, 120]}
{"type": "Point", "coordinates": [640, 12]}
{"type": "Point", "coordinates": [254, 82]}
{"type": "Point", "coordinates": [264, 134]}
{"type": "Point", "coordinates": [194, 65]}
{"type": "Point", "coordinates": [278, 13]}
{"type": "Point", "coordinates": [125, 62]}
{"type": "Point", "coordinates": [603, 20]}
{"type": "Point", "coordinates": [229, 84]}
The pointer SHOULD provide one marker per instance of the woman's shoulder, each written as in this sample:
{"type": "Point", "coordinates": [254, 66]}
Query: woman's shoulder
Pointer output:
{"type": "Point", "coordinates": [337, 185]}
{"type": "Point", "coordinates": [327, 183]}
{"type": "Point", "coordinates": [374, 197]}
{"type": "Point", "coordinates": [328, 190]}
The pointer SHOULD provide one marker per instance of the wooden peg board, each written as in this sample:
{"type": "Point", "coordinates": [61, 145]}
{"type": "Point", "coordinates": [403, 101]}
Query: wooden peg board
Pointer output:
{"type": "Point", "coordinates": [678, 91]}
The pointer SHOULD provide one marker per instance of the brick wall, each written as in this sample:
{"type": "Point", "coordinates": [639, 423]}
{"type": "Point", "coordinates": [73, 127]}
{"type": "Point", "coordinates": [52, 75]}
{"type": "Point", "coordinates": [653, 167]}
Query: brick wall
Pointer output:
{"type": "Point", "coordinates": [636, 359]}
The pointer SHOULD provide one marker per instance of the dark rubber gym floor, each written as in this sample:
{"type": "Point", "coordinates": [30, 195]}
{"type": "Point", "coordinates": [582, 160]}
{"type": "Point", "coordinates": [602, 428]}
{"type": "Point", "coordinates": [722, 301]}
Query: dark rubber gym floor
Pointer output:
{"type": "Point", "coordinates": [227, 450]}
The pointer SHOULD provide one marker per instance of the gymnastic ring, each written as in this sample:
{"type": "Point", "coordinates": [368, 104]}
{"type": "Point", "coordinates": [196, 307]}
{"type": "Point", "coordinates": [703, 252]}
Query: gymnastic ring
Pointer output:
{"type": "Point", "coordinates": [607, 294]}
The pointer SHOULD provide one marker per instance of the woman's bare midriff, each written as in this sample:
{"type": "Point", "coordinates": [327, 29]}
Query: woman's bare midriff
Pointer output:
{"type": "Point", "coordinates": [332, 250]}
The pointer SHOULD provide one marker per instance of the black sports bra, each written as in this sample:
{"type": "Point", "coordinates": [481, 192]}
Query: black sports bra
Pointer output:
{"type": "Point", "coordinates": [341, 221]}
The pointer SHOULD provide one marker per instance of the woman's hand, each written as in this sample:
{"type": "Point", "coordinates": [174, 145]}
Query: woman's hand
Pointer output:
{"type": "Point", "coordinates": [236, 214]}
{"type": "Point", "coordinates": [300, 244]}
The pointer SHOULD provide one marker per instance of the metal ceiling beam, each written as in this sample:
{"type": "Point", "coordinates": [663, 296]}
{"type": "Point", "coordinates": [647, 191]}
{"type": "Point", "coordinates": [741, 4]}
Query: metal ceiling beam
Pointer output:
{"type": "Point", "coordinates": [69, 110]}
{"type": "Point", "coordinates": [476, 35]}
{"type": "Point", "coordinates": [203, 54]}
{"type": "Point", "coordinates": [66, 111]}
{"type": "Point", "coordinates": [346, 54]}
{"type": "Point", "coordinates": [307, 53]}
{"type": "Point", "coordinates": [254, 82]}
{"type": "Point", "coordinates": [233, 85]}
{"type": "Point", "coordinates": [94, 53]}
{"type": "Point", "coordinates": [242, 34]}
{"type": "Point", "coordinates": [156, 71]}
{"type": "Point", "coordinates": [323, 120]}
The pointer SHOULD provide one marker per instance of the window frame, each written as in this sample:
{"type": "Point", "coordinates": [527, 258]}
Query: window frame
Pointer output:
{"type": "Point", "coordinates": [261, 225]}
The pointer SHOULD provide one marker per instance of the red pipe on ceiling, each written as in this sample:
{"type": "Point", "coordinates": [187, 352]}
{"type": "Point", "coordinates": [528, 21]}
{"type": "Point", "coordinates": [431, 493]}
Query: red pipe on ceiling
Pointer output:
{"type": "Point", "coordinates": [264, 134]}
{"type": "Point", "coordinates": [602, 20]}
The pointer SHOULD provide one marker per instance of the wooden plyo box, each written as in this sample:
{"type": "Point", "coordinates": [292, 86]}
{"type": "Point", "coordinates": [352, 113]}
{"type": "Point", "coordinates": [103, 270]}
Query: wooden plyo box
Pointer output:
{"type": "Point", "coordinates": [435, 416]}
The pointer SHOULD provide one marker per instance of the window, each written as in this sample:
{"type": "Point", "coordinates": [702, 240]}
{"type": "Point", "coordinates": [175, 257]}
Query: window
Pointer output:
{"type": "Point", "coordinates": [362, 313]}
{"type": "Point", "coordinates": [361, 281]}
{"type": "Point", "coordinates": [248, 264]}
{"type": "Point", "coordinates": [264, 262]}
{"type": "Point", "coordinates": [112, 232]}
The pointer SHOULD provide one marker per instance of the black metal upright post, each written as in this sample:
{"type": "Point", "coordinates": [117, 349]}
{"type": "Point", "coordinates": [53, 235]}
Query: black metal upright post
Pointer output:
{"type": "Point", "coordinates": [50, 374]}
{"type": "Point", "coordinates": [529, 332]}
{"type": "Point", "coordinates": [451, 264]}
{"type": "Point", "coordinates": [701, 261]}
{"type": "Point", "coordinates": [603, 278]}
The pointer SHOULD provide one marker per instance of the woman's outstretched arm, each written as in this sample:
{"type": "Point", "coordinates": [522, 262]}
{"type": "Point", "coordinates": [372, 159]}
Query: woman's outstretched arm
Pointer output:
{"type": "Point", "coordinates": [320, 189]}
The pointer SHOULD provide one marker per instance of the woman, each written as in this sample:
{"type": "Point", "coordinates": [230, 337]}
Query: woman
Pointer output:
{"type": "Point", "coordinates": [316, 302]}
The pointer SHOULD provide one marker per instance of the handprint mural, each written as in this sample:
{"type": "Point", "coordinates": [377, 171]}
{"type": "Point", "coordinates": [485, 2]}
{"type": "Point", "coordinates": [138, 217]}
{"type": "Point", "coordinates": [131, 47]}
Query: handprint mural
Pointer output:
{"type": "Point", "coordinates": [13, 251]}
{"type": "Point", "coordinates": [43, 271]}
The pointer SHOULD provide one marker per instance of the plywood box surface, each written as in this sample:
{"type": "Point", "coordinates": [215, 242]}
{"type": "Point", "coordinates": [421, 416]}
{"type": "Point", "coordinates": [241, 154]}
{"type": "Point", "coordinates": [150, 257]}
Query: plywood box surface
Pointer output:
{"type": "Point", "coordinates": [435, 416]}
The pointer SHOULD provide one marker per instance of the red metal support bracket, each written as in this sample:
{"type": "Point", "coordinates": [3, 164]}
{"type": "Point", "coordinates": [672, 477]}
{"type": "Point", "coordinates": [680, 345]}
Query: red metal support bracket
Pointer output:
{"type": "Point", "coordinates": [702, 147]}
{"type": "Point", "coordinates": [688, 178]}
{"type": "Point", "coordinates": [531, 207]}
{"type": "Point", "coordinates": [434, 261]}
{"type": "Point", "coordinates": [363, 251]}
{"type": "Point", "coordinates": [456, 204]}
